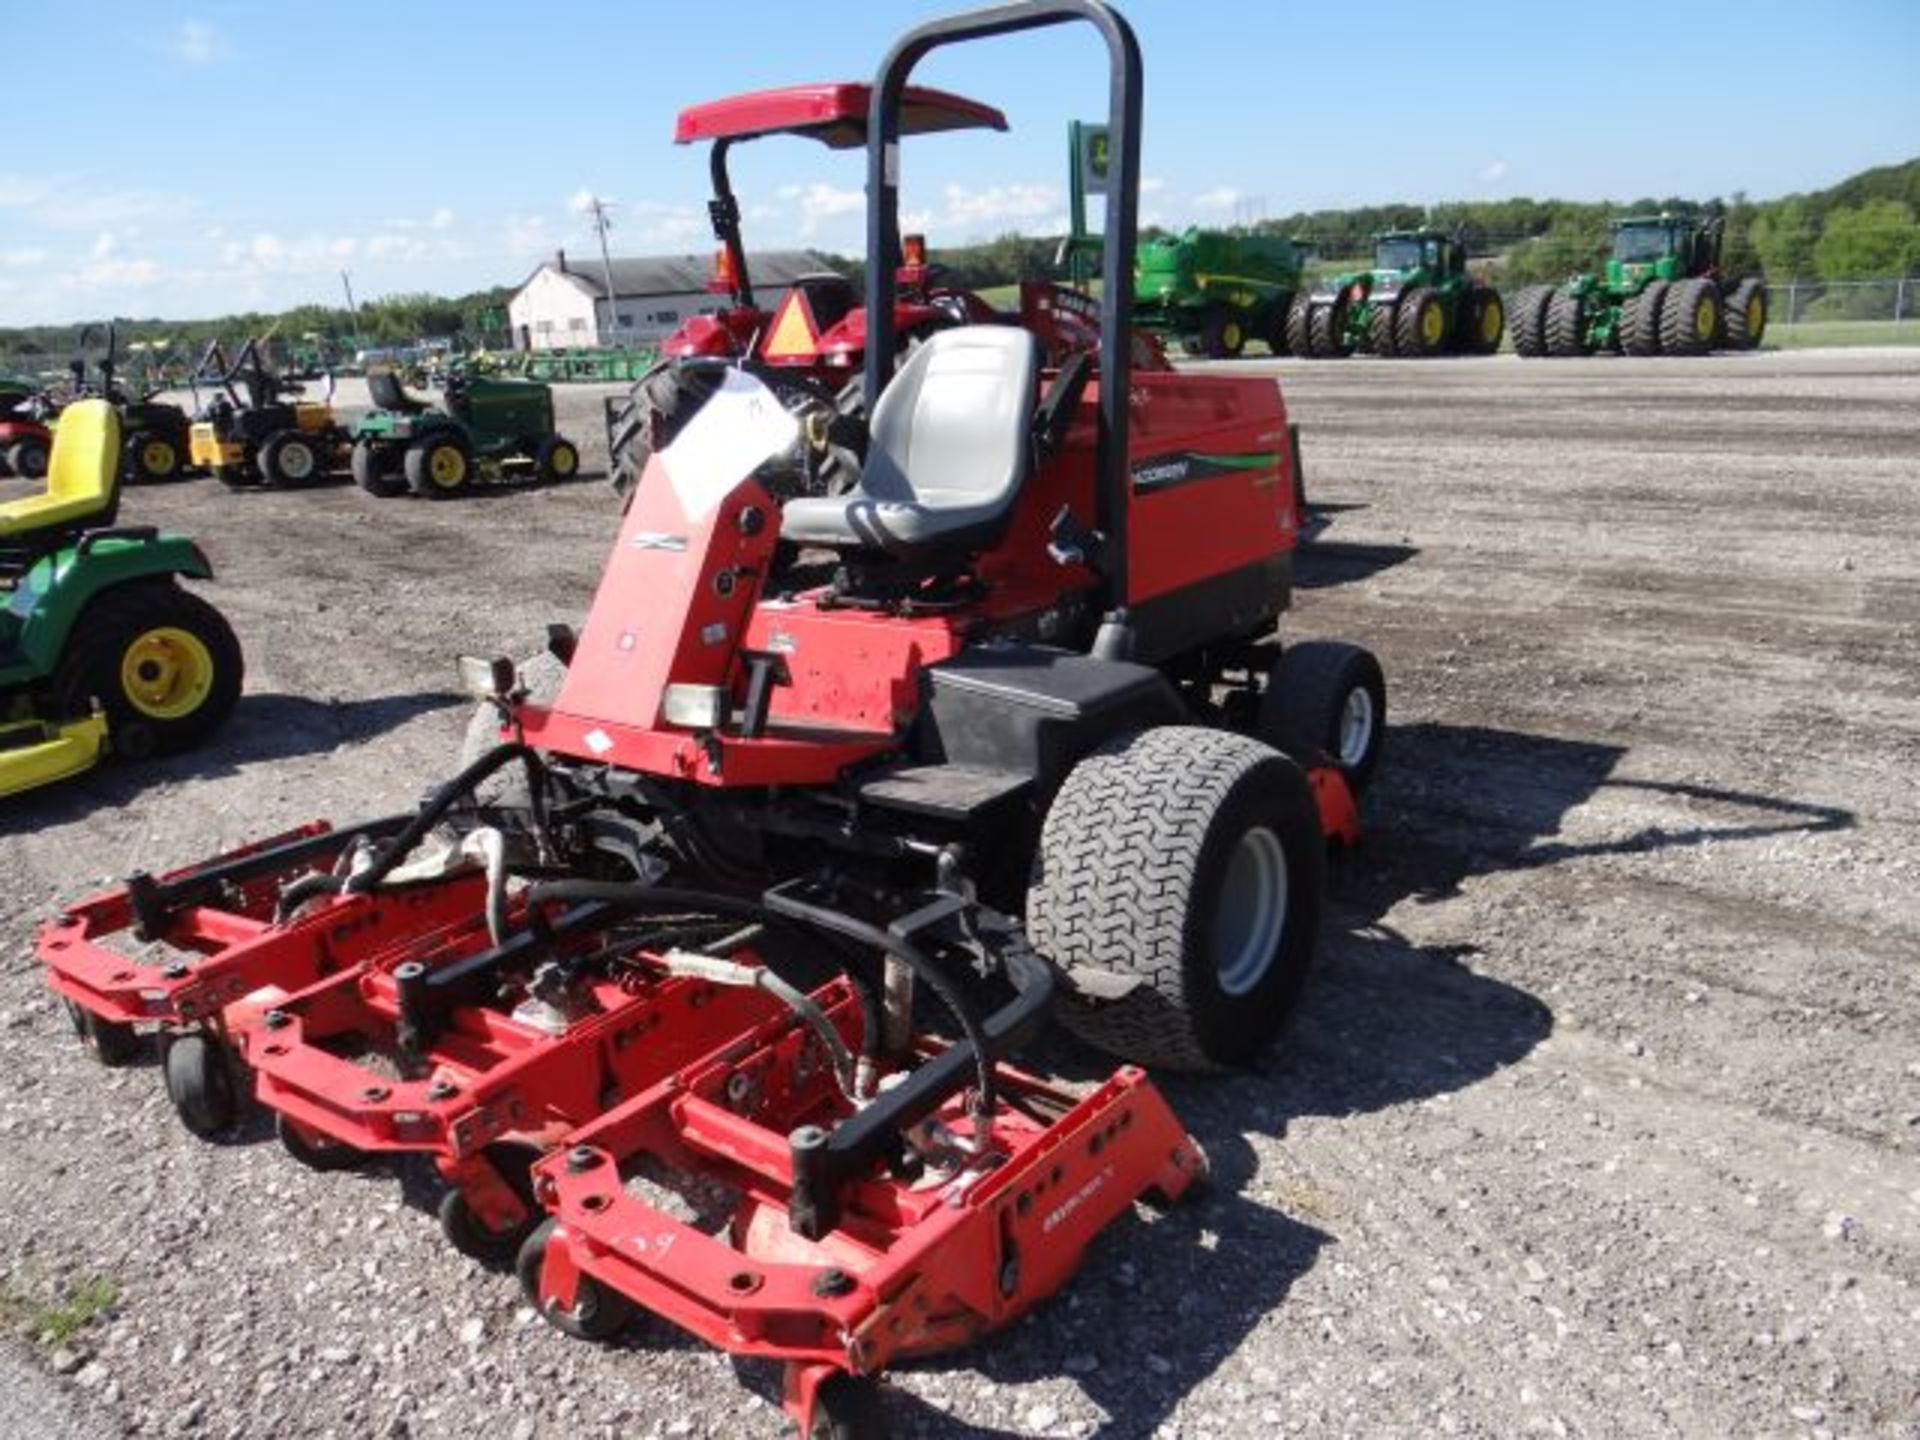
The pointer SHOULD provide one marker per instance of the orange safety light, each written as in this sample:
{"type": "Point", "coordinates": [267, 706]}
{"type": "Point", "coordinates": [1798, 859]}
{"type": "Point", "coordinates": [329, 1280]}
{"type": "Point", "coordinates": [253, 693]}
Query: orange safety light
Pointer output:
{"type": "Point", "coordinates": [724, 279]}
{"type": "Point", "coordinates": [915, 247]}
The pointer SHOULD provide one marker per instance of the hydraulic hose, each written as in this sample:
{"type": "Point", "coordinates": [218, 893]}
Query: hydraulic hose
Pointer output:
{"type": "Point", "coordinates": [436, 806]}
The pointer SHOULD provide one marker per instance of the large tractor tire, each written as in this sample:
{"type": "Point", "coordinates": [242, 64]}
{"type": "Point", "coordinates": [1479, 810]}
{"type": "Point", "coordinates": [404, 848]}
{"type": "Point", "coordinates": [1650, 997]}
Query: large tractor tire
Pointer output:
{"type": "Point", "coordinates": [1747, 315]}
{"type": "Point", "coordinates": [1380, 330]}
{"type": "Point", "coordinates": [1274, 332]}
{"type": "Point", "coordinates": [1327, 331]}
{"type": "Point", "coordinates": [1640, 319]}
{"type": "Point", "coordinates": [376, 469]}
{"type": "Point", "coordinates": [1420, 329]}
{"type": "Point", "coordinates": [1299, 328]}
{"type": "Point", "coordinates": [1528, 324]}
{"type": "Point", "coordinates": [1566, 326]}
{"type": "Point", "coordinates": [290, 458]}
{"type": "Point", "coordinates": [1181, 871]}
{"type": "Point", "coordinates": [1327, 699]}
{"type": "Point", "coordinates": [1223, 334]}
{"type": "Point", "coordinates": [660, 403]}
{"type": "Point", "coordinates": [150, 457]}
{"type": "Point", "coordinates": [438, 465]}
{"type": "Point", "coordinates": [1486, 322]}
{"type": "Point", "coordinates": [28, 459]}
{"type": "Point", "coordinates": [1690, 320]}
{"type": "Point", "coordinates": [163, 664]}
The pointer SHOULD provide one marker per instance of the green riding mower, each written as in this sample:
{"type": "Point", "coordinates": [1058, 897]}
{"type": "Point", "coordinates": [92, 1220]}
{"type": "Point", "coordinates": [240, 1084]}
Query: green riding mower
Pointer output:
{"type": "Point", "coordinates": [101, 650]}
{"type": "Point", "coordinates": [1417, 301]}
{"type": "Point", "coordinates": [481, 427]}
{"type": "Point", "coordinates": [1661, 292]}
{"type": "Point", "coordinates": [253, 431]}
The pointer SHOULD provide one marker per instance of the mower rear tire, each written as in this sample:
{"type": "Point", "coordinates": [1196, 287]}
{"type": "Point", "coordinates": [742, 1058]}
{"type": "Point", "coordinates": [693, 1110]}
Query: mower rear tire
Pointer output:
{"type": "Point", "coordinates": [374, 468]}
{"type": "Point", "coordinates": [1527, 323]}
{"type": "Point", "coordinates": [114, 1043]}
{"type": "Point", "coordinates": [28, 459]}
{"type": "Point", "coordinates": [1420, 326]}
{"type": "Point", "coordinates": [289, 458]}
{"type": "Point", "coordinates": [163, 664]}
{"type": "Point", "coordinates": [438, 466]}
{"type": "Point", "coordinates": [1298, 328]}
{"type": "Point", "coordinates": [1326, 699]}
{"type": "Point", "coordinates": [314, 1150]}
{"type": "Point", "coordinates": [1639, 328]}
{"type": "Point", "coordinates": [1327, 331]}
{"type": "Point", "coordinates": [556, 458]}
{"type": "Point", "coordinates": [1380, 330]}
{"type": "Point", "coordinates": [1182, 869]}
{"type": "Point", "coordinates": [598, 1313]}
{"type": "Point", "coordinates": [149, 457]}
{"type": "Point", "coordinates": [1690, 320]}
{"type": "Point", "coordinates": [847, 1407]}
{"type": "Point", "coordinates": [1746, 314]}
{"type": "Point", "coordinates": [200, 1083]}
{"type": "Point", "coordinates": [1486, 323]}
{"type": "Point", "coordinates": [1566, 326]}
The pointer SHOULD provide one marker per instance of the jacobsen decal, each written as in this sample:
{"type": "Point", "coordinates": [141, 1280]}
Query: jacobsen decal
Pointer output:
{"type": "Point", "coordinates": [1159, 472]}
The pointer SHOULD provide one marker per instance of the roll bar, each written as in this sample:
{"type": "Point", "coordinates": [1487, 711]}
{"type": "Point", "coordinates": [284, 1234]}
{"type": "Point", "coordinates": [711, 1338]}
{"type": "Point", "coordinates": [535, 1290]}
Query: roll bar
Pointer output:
{"type": "Point", "coordinates": [1122, 229]}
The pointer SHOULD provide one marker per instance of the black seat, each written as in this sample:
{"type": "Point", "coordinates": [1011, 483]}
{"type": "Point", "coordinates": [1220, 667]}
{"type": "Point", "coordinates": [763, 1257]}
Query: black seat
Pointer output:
{"type": "Point", "coordinates": [389, 394]}
{"type": "Point", "coordinates": [951, 444]}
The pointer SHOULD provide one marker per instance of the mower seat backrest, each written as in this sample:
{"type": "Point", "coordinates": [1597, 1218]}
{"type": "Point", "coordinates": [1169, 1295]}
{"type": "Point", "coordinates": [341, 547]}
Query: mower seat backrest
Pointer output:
{"type": "Point", "coordinates": [83, 475]}
{"type": "Point", "coordinates": [387, 393]}
{"type": "Point", "coordinates": [951, 443]}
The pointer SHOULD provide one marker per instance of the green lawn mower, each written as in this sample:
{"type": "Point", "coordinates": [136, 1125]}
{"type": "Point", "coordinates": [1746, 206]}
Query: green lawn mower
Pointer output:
{"type": "Point", "coordinates": [1418, 301]}
{"type": "Point", "coordinates": [1660, 293]}
{"type": "Point", "coordinates": [101, 649]}
{"type": "Point", "coordinates": [482, 426]}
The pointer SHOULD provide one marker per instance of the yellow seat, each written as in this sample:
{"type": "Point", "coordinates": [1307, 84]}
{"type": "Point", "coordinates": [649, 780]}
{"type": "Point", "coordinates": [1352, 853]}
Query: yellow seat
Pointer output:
{"type": "Point", "coordinates": [82, 476]}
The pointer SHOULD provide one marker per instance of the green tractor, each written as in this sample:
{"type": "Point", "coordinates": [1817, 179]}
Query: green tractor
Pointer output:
{"type": "Point", "coordinates": [481, 426]}
{"type": "Point", "coordinates": [1661, 293]}
{"type": "Point", "coordinates": [1416, 302]}
{"type": "Point", "coordinates": [101, 650]}
{"type": "Point", "coordinates": [1215, 290]}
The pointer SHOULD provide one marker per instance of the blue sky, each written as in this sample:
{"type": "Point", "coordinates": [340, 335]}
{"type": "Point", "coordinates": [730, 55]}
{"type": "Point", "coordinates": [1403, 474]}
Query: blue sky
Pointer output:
{"type": "Point", "coordinates": [230, 155]}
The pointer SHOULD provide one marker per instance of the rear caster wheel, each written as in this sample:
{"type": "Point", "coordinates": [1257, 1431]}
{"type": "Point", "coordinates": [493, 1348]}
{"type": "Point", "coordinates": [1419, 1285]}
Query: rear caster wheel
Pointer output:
{"type": "Point", "coordinates": [314, 1150]}
{"type": "Point", "coordinates": [112, 1042]}
{"type": "Point", "coordinates": [597, 1313]}
{"type": "Point", "coordinates": [200, 1084]}
{"type": "Point", "coordinates": [847, 1407]}
{"type": "Point", "coordinates": [471, 1235]}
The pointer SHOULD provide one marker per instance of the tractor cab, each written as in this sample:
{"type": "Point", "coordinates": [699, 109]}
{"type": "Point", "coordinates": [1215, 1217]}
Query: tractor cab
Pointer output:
{"type": "Point", "coordinates": [1663, 247]}
{"type": "Point", "coordinates": [1418, 256]}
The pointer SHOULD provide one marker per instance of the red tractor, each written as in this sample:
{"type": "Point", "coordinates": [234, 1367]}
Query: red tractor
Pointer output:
{"type": "Point", "coordinates": [641, 976]}
{"type": "Point", "coordinates": [25, 440]}
{"type": "Point", "coordinates": [813, 343]}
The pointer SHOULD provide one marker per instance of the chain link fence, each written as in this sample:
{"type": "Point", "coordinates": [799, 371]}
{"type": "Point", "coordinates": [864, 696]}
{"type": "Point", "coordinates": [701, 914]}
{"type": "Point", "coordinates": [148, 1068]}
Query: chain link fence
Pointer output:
{"type": "Point", "coordinates": [1844, 312]}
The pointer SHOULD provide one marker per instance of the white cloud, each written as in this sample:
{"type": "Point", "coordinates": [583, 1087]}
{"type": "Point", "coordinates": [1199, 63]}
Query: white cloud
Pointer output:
{"type": "Point", "coordinates": [1150, 183]}
{"type": "Point", "coordinates": [1494, 170]}
{"type": "Point", "coordinates": [103, 245]}
{"type": "Point", "coordinates": [442, 219]}
{"type": "Point", "coordinates": [23, 259]}
{"type": "Point", "coordinates": [998, 203]}
{"type": "Point", "coordinates": [199, 43]}
{"type": "Point", "coordinates": [527, 234]}
{"type": "Point", "coordinates": [821, 201]}
{"type": "Point", "coordinates": [583, 201]}
{"type": "Point", "coordinates": [1221, 197]}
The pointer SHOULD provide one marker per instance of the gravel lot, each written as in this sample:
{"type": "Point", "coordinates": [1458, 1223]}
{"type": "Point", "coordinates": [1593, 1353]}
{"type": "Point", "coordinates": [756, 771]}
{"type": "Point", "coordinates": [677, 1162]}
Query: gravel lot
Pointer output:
{"type": "Point", "coordinates": [1601, 1118]}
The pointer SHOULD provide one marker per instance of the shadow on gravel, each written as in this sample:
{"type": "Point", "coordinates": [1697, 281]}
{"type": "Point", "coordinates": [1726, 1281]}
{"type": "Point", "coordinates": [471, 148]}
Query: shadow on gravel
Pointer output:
{"type": "Point", "coordinates": [1327, 563]}
{"type": "Point", "coordinates": [262, 728]}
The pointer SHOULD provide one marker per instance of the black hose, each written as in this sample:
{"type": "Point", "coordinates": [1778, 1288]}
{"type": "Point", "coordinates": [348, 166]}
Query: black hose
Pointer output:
{"type": "Point", "coordinates": [319, 882]}
{"type": "Point", "coordinates": [635, 896]}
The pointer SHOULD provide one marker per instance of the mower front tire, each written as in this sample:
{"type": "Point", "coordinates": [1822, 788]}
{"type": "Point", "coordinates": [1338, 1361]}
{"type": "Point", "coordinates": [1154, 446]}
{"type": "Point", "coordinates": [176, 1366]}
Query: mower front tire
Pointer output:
{"type": "Point", "coordinates": [200, 1083]}
{"type": "Point", "coordinates": [114, 1043]}
{"type": "Point", "coordinates": [1179, 885]}
{"type": "Point", "coordinates": [314, 1150]}
{"type": "Point", "coordinates": [438, 466]}
{"type": "Point", "coordinates": [163, 664]}
{"type": "Point", "coordinates": [1326, 699]}
{"type": "Point", "coordinates": [556, 458]}
{"type": "Point", "coordinates": [373, 466]}
{"type": "Point", "coordinates": [598, 1313]}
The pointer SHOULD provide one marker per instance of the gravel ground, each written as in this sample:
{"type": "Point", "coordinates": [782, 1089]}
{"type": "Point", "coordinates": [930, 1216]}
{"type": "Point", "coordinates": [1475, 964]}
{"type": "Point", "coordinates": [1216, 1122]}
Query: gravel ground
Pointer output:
{"type": "Point", "coordinates": [1601, 1117]}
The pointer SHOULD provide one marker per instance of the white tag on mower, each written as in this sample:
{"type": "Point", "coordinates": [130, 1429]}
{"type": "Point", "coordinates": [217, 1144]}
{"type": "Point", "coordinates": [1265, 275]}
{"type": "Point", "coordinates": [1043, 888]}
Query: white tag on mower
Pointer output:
{"type": "Point", "coordinates": [731, 436]}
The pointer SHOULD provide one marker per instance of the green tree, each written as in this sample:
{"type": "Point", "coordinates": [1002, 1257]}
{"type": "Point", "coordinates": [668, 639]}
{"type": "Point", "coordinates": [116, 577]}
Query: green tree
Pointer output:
{"type": "Point", "coordinates": [1868, 241]}
{"type": "Point", "coordinates": [1783, 235]}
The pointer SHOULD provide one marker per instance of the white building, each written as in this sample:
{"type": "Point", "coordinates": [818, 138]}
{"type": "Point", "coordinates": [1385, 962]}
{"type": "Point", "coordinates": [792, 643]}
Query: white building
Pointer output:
{"type": "Point", "coordinates": [563, 305]}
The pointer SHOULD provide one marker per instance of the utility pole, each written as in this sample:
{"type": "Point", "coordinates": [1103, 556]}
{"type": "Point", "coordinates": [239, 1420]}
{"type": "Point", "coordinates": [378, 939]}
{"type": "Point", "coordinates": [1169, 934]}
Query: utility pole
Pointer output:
{"type": "Point", "coordinates": [346, 283]}
{"type": "Point", "coordinates": [600, 223]}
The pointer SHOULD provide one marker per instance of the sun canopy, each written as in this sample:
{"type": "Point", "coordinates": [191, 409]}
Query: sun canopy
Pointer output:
{"type": "Point", "coordinates": [834, 114]}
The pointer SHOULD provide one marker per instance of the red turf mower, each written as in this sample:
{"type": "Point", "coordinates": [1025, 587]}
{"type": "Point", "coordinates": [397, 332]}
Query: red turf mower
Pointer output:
{"type": "Point", "coordinates": [1033, 750]}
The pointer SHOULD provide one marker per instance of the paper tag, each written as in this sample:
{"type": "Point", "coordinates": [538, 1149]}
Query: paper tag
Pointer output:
{"type": "Point", "coordinates": [743, 425]}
